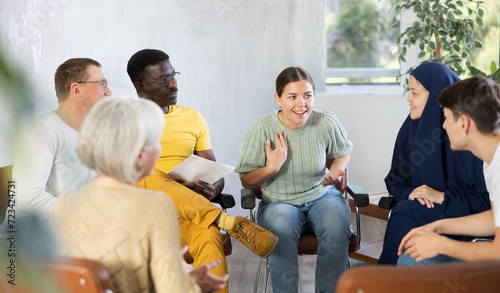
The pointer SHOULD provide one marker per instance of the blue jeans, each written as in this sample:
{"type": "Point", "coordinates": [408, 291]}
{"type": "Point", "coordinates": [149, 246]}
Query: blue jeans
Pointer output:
{"type": "Point", "coordinates": [328, 217]}
{"type": "Point", "coordinates": [407, 261]}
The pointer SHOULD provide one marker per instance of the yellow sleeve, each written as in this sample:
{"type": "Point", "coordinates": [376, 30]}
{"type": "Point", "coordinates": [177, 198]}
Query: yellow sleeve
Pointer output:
{"type": "Point", "coordinates": [203, 136]}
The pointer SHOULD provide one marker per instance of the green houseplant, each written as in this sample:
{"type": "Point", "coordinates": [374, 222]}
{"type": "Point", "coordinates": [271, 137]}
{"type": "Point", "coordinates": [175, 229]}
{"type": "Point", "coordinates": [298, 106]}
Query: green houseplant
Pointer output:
{"type": "Point", "coordinates": [495, 72]}
{"type": "Point", "coordinates": [444, 31]}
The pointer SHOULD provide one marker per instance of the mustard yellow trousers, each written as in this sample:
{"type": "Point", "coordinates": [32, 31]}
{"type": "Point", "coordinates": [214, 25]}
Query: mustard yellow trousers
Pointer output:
{"type": "Point", "coordinates": [196, 215]}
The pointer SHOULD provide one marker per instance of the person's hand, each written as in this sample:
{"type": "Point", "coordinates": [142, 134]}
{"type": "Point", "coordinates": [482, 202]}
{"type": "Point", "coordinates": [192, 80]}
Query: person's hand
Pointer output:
{"type": "Point", "coordinates": [427, 196]}
{"type": "Point", "coordinates": [208, 282]}
{"type": "Point", "coordinates": [277, 157]}
{"type": "Point", "coordinates": [429, 228]}
{"type": "Point", "coordinates": [422, 245]}
{"type": "Point", "coordinates": [187, 267]}
{"type": "Point", "coordinates": [333, 177]}
{"type": "Point", "coordinates": [202, 187]}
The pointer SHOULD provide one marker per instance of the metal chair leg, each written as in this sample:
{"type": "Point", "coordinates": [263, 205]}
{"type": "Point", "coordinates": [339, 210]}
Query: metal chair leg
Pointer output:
{"type": "Point", "coordinates": [253, 216]}
{"type": "Point", "coordinates": [266, 271]}
{"type": "Point", "coordinates": [257, 277]}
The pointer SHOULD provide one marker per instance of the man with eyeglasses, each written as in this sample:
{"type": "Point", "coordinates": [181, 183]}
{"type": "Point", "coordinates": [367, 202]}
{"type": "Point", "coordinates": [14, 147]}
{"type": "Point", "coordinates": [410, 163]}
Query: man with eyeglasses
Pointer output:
{"type": "Point", "coordinates": [45, 161]}
{"type": "Point", "coordinates": [186, 133]}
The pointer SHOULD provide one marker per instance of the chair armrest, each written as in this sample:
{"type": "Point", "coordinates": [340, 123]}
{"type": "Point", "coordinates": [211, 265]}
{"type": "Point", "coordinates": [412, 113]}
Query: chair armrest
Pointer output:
{"type": "Point", "coordinates": [360, 196]}
{"type": "Point", "coordinates": [477, 276]}
{"type": "Point", "coordinates": [225, 200]}
{"type": "Point", "coordinates": [247, 199]}
{"type": "Point", "coordinates": [387, 202]}
{"type": "Point", "coordinates": [479, 239]}
{"type": "Point", "coordinates": [360, 199]}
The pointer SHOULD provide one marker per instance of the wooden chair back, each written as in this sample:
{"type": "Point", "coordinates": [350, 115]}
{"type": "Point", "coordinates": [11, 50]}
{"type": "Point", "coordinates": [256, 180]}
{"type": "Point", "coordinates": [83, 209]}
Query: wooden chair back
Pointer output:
{"type": "Point", "coordinates": [73, 275]}
{"type": "Point", "coordinates": [5, 177]}
{"type": "Point", "coordinates": [480, 276]}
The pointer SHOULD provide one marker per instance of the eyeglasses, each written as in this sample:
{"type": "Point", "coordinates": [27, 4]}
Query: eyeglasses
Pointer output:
{"type": "Point", "coordinates": [165, 81]}
{"type": "Point", "coordinates": [102, 83]}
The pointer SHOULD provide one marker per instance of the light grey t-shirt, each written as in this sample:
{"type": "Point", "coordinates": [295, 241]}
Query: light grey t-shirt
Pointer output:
{"type": "Point", "coordinates": [492, 178]}
{"type": "Point", "coordinates": [46, 164]}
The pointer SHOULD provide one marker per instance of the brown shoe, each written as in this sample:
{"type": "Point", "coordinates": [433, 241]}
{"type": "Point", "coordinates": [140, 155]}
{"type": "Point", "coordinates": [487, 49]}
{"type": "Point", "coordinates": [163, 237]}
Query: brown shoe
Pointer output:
{"type": "Point", "coordinates": [257, 239]}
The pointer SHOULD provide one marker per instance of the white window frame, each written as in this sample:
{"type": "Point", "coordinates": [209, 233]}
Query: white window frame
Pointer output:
{"type": "Point", "coordinates": [407, 19]}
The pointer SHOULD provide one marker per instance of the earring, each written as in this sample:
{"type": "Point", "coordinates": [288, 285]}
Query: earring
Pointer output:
{"type": "Point", "coordinates": [464, 134]}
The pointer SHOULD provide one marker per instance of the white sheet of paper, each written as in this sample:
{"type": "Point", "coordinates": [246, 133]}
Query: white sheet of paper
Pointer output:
{"type": "Point", "coordinates": [194, 168]}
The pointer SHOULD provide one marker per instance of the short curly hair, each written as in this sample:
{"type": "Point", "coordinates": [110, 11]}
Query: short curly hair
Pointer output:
{"type": "Point", "coordinates": [137, 64]}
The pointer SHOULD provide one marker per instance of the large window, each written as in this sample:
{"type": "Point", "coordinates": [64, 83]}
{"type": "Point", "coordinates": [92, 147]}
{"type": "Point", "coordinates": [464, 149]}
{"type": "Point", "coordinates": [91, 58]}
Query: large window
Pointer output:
{"type": "Point", "coordinates": [361, 42]}
{"type": "Point", "coordinates": [489, 34]}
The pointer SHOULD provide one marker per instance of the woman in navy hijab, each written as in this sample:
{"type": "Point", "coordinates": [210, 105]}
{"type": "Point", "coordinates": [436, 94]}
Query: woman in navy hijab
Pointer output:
{"type": "Point", "coordinates": [427, 179]}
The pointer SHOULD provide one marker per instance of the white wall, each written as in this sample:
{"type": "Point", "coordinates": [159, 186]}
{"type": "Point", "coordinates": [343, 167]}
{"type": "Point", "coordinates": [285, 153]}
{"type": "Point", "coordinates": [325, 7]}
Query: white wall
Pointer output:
{"type": "Point", "coordinates": [372, 122]}
{"type": "Point", "coordinates": [229, 53]}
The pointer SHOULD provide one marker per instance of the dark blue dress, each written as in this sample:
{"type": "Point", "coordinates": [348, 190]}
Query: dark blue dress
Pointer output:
{"type": "Point", "coordinates": [422, 155]}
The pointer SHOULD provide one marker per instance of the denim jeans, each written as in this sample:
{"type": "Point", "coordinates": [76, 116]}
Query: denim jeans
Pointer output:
{"type": "Point", "coordinates": [328, 217]}
{"type": "Point", "coordinates": [407, 261]}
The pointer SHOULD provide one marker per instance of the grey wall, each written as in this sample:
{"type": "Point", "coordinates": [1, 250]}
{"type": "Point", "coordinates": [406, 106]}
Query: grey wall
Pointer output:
{"type": "Point", "coordinates": [229, 53]}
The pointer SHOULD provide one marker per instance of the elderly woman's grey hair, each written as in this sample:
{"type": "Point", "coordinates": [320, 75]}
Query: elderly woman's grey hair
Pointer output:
{"type": "Point", "coordinates": [114, 133]}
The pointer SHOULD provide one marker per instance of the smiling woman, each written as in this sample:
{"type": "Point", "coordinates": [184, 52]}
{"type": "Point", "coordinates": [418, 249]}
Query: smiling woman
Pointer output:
{"type": "Point", "coordinates": [296, 103]}
{"type": "Point", "coordinates": [427, 179]}
{"type": "Point", "coordinates": [417, 97]}
{"type": "Point", "coordinates": [284, 153]}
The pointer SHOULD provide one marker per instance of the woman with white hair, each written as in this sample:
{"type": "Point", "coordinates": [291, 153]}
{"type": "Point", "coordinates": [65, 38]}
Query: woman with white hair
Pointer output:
{"type": "Point", "coordinates": [133, 232]}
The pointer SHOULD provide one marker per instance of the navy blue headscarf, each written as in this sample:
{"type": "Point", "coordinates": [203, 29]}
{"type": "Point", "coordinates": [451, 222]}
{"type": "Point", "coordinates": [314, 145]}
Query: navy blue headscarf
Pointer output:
{"type": "Point", "coordinates": [422, 154]}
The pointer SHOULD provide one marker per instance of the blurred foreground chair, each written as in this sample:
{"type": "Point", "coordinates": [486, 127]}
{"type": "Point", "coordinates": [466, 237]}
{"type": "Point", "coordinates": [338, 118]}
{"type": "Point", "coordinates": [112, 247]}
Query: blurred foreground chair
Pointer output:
{"type": "Point", "coordinates": [63, 275]}
{"type": "Point", "coordinates": [5, 177]}
{"type": "Point", "coordinates": [308, 243]}
{"type": "Point", "coordinates": [480, 276]}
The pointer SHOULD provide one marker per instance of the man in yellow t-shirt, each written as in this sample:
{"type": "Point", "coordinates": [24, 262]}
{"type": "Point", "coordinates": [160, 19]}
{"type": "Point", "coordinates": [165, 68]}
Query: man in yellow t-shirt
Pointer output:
{"type": "Point", "coordinates": [186, 133]}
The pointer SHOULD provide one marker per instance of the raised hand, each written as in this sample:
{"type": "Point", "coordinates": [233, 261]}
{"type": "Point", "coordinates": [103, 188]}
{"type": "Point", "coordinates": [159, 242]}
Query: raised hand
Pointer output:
{"type": "Point", "coordinates": [277, 157]}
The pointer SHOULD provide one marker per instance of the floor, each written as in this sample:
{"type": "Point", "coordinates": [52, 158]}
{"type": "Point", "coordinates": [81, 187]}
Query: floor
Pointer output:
{"type": "Point", "coordinates": [242, 264]}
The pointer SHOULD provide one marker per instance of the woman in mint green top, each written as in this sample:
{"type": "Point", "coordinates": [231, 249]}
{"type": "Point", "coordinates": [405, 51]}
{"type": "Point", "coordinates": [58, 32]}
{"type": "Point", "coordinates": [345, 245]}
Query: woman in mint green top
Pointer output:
{"type": "Point", "coordinates": [296, 155]}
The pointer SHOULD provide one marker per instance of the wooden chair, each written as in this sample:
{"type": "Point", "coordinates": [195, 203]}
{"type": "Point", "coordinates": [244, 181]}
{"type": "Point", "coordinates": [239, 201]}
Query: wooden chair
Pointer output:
{"type": "Point", "coordinates": [73, 275]}
{"type": "Point", "coordinates": [480, 276]}
{"type": "Point", "coordinates": [308, 243]}
{"type": "Point", "coordinates": [369, 252]}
